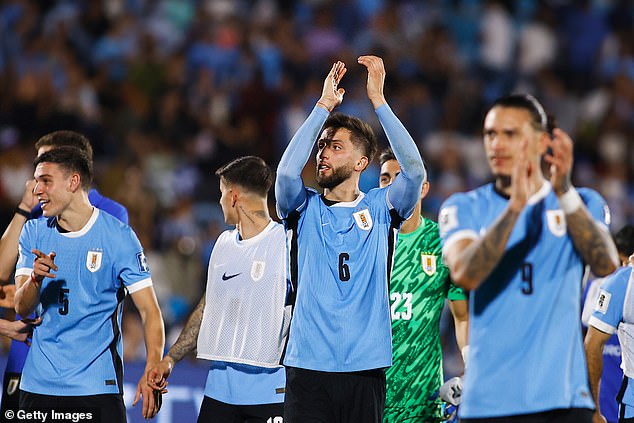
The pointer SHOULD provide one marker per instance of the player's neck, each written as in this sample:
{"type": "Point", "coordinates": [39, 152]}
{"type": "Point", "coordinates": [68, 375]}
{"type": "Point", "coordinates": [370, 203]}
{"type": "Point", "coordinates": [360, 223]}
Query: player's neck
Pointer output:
{"type": "Point", "coordinates": [411, 224]}
{"type": "Point", "coordinates": [78, 212]}
{"type": "Point", "coordinates": [535, 183]}
{"type": "Point", "coordinates": [346, 191]}
{"type": "Point", "coordinates": [252, 219]}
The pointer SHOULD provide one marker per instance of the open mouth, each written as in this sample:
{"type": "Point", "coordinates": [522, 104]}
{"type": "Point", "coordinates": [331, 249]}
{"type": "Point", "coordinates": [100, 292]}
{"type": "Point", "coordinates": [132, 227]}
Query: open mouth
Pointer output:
{"type": "Point", "coordinates": [322, 167]}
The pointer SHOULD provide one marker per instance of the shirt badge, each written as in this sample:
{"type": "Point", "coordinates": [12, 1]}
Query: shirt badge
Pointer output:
{"type": "Point", "coordinates": [363, 219]}
{"type": "Point", "coordinates": [93, 260]}
{"type": "Point", "coordinates": [556, 222]}
{"type": "Point", "coordinates": [257, 270]}
{"type": "Point", "coordinates": [428, 262]}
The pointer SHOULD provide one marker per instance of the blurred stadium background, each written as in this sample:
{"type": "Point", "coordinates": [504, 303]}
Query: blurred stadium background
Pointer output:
{"type": "Point", "coordinates": [169, 90]}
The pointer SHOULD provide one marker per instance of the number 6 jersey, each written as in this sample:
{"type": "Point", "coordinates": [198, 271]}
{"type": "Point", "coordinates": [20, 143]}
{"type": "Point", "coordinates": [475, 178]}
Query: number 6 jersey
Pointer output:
{"type": "Point", "coordinates": [340, 256]}
{"type": "Point", "coordinates": [77, 350]}
{"type": "Point", "coordinates": [526, 352]}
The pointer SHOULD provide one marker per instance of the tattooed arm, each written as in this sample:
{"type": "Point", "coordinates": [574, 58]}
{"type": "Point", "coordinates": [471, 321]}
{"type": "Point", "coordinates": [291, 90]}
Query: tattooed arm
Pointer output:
{"type": "Point", "coordinates": [471, 261]}
{"type": "Point", "coordinates": [592, 241]}
{"type": "Point", "coordinates": [186, 343]}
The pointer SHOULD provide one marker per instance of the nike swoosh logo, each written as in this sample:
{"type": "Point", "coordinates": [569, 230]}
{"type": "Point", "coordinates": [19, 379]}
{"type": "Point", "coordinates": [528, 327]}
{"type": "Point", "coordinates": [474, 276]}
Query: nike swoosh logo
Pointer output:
{"type": "Point", "coordinates": [226, 278]}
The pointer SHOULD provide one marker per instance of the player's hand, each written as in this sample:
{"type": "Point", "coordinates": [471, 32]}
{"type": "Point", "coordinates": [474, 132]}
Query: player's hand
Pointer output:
{"type": "Point", "coordinates": [29, 200]}
{"type": "Point", "coordinates": [152, 399]}
{"type": "Point", "coordinates": [560, 161]}
{"type": "Point", "coordinates": [7, 295]}
{"type": "Point", "coordinates": [597, 417]}
{"type": "Point", "coordinates": [451, 391]}
{"type": "Point", "coordinates": [21, 330]}
{"type": "Point", "coordinates": [43, 264]}
{"type": "Point", "coordinates": [157, 375]}
{"type": "Point", "coordinates": [376, 78]}
{"type": "Point", "coordinates": [332, 94]}
{"type": "Point", "coordinates": [520, 189]}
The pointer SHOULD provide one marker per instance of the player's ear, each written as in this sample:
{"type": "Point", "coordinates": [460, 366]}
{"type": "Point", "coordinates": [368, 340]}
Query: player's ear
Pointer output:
{"type": "Point", "coordinates": [75, 182]}
{"type": "Point", "coordinates": [361, 164]}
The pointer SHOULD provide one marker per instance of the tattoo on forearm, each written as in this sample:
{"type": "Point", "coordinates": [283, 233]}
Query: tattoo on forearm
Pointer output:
{"type": "Point", "coordinates": [594, 244]}
{"type": "Point", "coordinates": [186, 341]}
{"type": "Point", "coordinates": [487, 253]}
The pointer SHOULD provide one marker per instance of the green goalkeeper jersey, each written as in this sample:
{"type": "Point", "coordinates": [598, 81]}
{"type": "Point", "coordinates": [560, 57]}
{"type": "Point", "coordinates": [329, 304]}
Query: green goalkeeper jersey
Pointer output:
{"type": "Point", "coordinates": [418, 288]}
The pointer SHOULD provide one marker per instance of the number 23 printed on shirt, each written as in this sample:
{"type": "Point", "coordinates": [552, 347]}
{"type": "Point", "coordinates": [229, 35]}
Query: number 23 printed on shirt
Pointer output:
{"type": "Point", "coordinates": [401, 308]}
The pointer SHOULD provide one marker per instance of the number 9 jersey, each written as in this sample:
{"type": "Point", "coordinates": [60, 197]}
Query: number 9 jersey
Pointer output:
{"type": "Point", "coordinates": [77, 350]}
{"type": "Point", "coordinates": [526, 351]}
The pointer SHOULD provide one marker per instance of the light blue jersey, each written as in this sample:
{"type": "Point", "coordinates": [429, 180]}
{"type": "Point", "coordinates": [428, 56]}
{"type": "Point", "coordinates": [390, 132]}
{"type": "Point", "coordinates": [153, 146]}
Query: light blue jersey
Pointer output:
{"type": "Point", "coordinates": [609, 313]}
{"type": "Point", "coordinates": [526, 350]}
{"type": "Point", "coordinates": [341, 255]}
{"type": "Point", "coordinates": [341, 321]}
{"type": "Point", "coordinates": [242, 384]}
{"type": "Point", "coordinates": [77, 349]}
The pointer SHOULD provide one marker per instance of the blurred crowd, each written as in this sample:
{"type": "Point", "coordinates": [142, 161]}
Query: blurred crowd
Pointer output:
{"type": "Point", "coordinates": [169, 90]}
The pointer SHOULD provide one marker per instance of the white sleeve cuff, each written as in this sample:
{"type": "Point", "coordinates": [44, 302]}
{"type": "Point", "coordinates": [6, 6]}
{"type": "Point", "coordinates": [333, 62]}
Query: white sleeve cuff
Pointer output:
{"type": "Point", "coordinates": [458, 236]}
{"type": "Point", "coordinates": [23, 271]}
{"type": "Point", "coordinates": [601, 325]}
{"type": "Point", "coordinates": [137, 286]}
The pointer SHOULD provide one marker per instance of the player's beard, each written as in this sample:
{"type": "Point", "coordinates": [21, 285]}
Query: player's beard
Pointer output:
{"type": "Point", "coordinates": [337, 176]}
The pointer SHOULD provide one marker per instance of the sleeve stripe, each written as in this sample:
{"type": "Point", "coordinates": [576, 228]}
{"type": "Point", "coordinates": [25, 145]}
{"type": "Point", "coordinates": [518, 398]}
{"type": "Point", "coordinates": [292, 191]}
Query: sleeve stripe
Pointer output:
{"type": "Point", "coordinates": [137, 286]}
{"type": "Point", "coordinates": [458, 236]}
{"type": "Point", "coordinates": [601, 325]}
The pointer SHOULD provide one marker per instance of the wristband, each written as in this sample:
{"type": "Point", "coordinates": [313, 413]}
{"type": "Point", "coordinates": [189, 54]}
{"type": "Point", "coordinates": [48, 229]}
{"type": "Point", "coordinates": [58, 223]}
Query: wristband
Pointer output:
{"type": "Point", "coordinates": [570, 201]}
{"type": "Point", "coordinates": [22, 212]}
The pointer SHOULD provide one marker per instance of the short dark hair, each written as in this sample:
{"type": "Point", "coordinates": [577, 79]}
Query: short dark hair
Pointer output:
{"type": "Point", "coordinates": [250, 172]}
{"type": "Point", "coordinates": [624, 240]}
{"type": "Point", "coordinates": [66, 139]}
{"type": "Point", "coordinates": [387, 155]}
{"type": "Point", "coordinates": [361, 133]}
{"type": "Point", "coordinates": [72, 159]}
{"type": "Point", "coordinates": [528, 103]}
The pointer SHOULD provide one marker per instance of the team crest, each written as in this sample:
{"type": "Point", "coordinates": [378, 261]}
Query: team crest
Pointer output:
{"type": "Point", "coordinates": [12, 386]}
{"type": "Point", "coordinates": [93, 260]}
{"type": "Point", "coordinates": [363, 219]}
{"type": "Point", "coordinates": [428, 262]}
{"type": "Point", "coordinates": [556, 222]}
{"type": "Point", "coordinates": [257, 270]}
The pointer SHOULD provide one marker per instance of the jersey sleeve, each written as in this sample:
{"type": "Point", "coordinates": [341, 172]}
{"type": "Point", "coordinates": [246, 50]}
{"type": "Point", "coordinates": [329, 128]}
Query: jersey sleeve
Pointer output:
{"type": "Point", "coordinates": [404, 193]}
{"type": "Point", "coordinates": [131, 265]}
{"type": "Point", "coordinates": [456, 293]}
{"type": "Point", "coordinates": [608, 308]}
{"type": "Point", "coordinates": [24, 266]}
{"type": "Point", "coordinates": [290, 193]}
{"type": "Point", "coordinates": [596, 205]}
{"type": "Point", "coordinates": [457, 220]}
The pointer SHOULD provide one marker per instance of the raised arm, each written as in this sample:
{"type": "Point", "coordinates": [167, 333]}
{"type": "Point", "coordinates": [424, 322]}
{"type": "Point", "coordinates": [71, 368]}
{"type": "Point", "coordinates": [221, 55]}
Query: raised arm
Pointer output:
{"type": "Point", "coordinates": [11, 235]}
{"type": "Point", "coordinates": [591, 239]}
{"type": "Point", "coordinates": [289, 188]}
{"type": "Point", "coordinates": [154, 334]}
{"type": "Point", "coordinates": [404, 193]}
